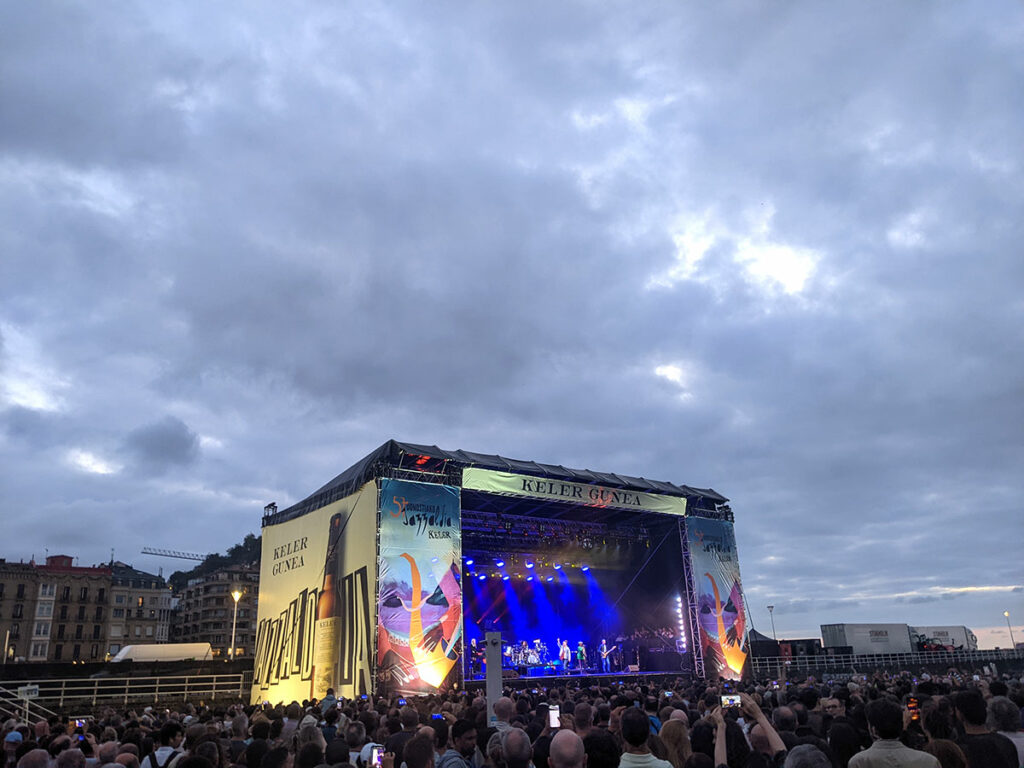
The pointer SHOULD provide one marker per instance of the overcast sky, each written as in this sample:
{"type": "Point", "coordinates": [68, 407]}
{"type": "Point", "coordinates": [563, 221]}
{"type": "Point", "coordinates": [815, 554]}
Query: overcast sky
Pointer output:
{"type": "Point", "coordinates": [774, 249]}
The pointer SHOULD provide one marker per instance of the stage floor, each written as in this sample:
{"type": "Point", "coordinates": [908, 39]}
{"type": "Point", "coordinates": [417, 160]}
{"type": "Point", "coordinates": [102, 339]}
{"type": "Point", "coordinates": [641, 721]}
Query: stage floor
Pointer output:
{"type": "Point", "coordinates": [585, 680]}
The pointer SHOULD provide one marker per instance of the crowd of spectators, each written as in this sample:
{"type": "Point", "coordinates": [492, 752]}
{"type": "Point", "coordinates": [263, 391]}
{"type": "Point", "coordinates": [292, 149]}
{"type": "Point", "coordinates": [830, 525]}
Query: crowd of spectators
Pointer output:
{"type": "Point", "coordinates": [953, 721]}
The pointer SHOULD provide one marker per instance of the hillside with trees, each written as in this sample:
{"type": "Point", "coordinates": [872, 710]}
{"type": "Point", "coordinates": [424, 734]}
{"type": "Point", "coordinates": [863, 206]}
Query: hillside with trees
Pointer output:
{"type": "Point", "coordinates": [245, 553]}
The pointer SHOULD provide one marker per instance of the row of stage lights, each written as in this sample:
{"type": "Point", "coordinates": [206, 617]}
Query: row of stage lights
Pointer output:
{"type": "Point", "coordinates": [530, 565]}
{"type": "Point", "coordinates": [682, 621]}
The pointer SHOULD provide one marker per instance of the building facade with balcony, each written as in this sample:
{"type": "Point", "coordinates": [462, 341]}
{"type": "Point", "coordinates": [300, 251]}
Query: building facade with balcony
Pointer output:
{"type": "Point", "coordinates": [140, 609]}
{"type": "Point", "coordinates": [71, 611]}
{"type": "Point", "coordinates": [19, 590]}
{"type": "Point", "coordinates": [205, 610]}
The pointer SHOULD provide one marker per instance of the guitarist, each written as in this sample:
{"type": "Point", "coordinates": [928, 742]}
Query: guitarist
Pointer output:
{"type": "Point", "coordinates": [606, 665]}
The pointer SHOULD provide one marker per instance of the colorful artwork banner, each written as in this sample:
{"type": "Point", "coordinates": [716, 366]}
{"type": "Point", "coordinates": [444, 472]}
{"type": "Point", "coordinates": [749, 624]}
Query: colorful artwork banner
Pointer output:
{"type": "Point", "coordinates": [719, 595]}
{"type": "Point", "coordinates": [419, 602]}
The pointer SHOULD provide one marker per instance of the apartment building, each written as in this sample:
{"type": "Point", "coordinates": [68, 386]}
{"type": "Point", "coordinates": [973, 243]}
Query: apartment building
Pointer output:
{"type": "Point", "coordinates": [140, 611]}
{"type": "Point", "coordinates": [206, 608]}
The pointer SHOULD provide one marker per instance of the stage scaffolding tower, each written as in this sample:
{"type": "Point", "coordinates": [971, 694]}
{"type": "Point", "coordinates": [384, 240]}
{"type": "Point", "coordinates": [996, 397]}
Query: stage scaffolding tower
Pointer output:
{"type": "Point", "coordinates": [690, 588]}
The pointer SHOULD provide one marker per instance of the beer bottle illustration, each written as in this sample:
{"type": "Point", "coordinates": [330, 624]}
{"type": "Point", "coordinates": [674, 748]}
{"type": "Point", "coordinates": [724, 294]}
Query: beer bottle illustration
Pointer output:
{"type": "Point", "coordinates": [328, 612]}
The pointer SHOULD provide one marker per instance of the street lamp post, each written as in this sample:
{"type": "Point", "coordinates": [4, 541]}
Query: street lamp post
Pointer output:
{"type": "Point", "coordinates": [1013, 645]}
{"type": "Point", "coordinates": [771, 612]}
{"type": "Point", "coordinates": [237, 595]}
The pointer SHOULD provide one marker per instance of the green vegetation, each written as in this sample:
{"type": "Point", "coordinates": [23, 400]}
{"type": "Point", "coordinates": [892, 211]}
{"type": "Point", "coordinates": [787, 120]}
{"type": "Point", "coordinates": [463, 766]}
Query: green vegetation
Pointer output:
{"type": "Point", "coordinates": [245, 553]}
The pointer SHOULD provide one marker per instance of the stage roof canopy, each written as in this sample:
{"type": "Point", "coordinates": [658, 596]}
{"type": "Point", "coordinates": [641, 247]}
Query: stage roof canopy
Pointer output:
{"type": "Point", "coordinates": [435, 464]}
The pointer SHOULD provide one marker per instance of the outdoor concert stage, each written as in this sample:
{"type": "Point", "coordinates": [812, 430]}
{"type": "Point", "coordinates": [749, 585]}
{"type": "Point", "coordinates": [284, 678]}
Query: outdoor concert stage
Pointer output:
{"type": "Point", "coordinates": [385, 579]}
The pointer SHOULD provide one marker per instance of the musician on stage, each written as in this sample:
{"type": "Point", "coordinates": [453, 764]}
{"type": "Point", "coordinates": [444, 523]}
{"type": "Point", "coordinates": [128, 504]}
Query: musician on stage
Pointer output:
{"type": "Point", "coordinates": [475, 658]}
{"type": "Point", "coordinates": [606, 662]}
{"type": "Point", "coordinates": [581, 656]}
{"type": "Point", "coordinates": [565, 655]}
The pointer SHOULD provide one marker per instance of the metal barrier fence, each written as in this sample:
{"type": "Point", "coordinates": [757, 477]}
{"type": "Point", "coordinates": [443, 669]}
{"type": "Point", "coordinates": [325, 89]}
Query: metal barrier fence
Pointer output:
{"type": "Point", "coordinates": [779, 666]}
{"type": "Point", "coordinates": [81, 692]}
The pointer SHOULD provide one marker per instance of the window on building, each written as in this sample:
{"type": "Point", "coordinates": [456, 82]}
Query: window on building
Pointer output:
{"type": "Point", "coordinates": [114, 648]}
{"type": "Point", "coordinates": [44, 610]}
{"type": "Point", "coordinates": [81, 612]}
{"type": "Point", "coordinates": [78, 632]}
{"type": "Point", "coordinates": [60, 631]}
{"type": "Point", "coordinates": [116, 630]}
{"type": "Point", "coordinates": [47, 590]}
{"type": "Point", "coordinates": [1, 590]}
{"type": "Point", "coordinates": [141, 601]}
{"type": "Point", "coordinates": [96, 632]}
{"type": "Point", "coordinates": [102, 595]}
{"type": "Point", "coordinates": [152, 614]}
{"type": "Point", "coordinates": [21, 592]}
{"type": "Point", "coordinates": [83, 594]}
{"type": "Point", "coordinates": [39, 650]}
{"type": "Point", "coordinates": [76, 652]}
{"type": "Point", "coordinates": [119, 599]}
{"type": "Point", "coordinates": [99, 613]}
{"type": "Point", "coordinates": [138, 631]}
{"type": "Point", "coordinates": [58, 651]}
{"type": "Point", "coordinates": [63, 612]}
{"type": "Point", "coordinates": [42, 629]}
{"type": "Point", "coordinates": [15, 631]}
{"type": "Point", "coordinates": [94, 652]}
{"type": "Point", "coordinates": [18, 612]}
{"type": "Point", "coordinates": [65, 593]}
{"type": "Point", "coordinates": [118, 613]}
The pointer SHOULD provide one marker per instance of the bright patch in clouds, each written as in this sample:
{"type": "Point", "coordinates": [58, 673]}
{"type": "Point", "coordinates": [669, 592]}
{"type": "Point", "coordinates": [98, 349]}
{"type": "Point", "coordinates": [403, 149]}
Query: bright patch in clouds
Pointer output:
{"type": "Point", "coordinates": [88, 462]}
{"type": "Point", "coordinates": [678, 375]}
{"type": "Point", "coordinates": [26, 380]}
{"type": "Point", "coordinates": [765, 262]}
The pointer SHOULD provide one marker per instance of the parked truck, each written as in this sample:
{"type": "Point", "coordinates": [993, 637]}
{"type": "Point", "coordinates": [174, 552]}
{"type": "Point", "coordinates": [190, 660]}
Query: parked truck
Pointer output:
{"type": "Point", "coordinates": [948, 638]}
{"type": "Point", "coordinates": [165, 652]}
{"type": "Point", "coordinates": [869, 638]}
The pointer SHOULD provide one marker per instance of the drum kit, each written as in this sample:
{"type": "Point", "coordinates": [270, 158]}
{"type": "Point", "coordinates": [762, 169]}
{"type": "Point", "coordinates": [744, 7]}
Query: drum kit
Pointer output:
{"type": "Point", "coordinates": [527, 655]}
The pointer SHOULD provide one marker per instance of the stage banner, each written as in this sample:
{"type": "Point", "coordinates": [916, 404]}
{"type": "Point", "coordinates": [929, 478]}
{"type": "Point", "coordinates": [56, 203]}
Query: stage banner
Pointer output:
{"type": "Point", "coordinates": [512, 484]}
{"type": "Point", "coordinates": [419, 603]}
{"type": "Point", "coordinates": [317, 582]}
{"type": "Point", "coordinates": [716, 573]}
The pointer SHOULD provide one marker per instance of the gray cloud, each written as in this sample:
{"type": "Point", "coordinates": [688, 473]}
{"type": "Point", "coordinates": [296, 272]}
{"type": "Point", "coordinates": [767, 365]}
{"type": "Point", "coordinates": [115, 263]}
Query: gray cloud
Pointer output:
{"type": "Point", "coordinates": [164, 444]}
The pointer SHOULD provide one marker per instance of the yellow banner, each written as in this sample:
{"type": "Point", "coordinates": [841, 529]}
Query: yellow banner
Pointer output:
{"type": "Point", "coordinates": [512, 484]}
{"type": "Point", "coordinates": [318, 584]}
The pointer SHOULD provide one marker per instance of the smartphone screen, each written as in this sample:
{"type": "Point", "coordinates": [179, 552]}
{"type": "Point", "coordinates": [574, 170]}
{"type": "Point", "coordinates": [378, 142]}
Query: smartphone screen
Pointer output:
{"type": "Point", "coordinates": [401, 702]}
{"type": "Point", "coordinates": [376, 755]}
{"type": "Point", "coordinates": [914, 708]}
{"type": "Point", "coordinates": [554, 716]}
{"type": "Point", "coordinates": [730, 700]}
{"type": "Point", "coordinates": [437, 716]}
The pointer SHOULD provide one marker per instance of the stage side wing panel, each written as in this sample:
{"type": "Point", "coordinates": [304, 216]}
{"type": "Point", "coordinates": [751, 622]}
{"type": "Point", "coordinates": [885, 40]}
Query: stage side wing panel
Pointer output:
{"type": "Point", "coordinates": [716, 573]}
{"type": "Point", "coordinates": [317, 583]}
{"type": "Point", "coordinates": [419, 628]}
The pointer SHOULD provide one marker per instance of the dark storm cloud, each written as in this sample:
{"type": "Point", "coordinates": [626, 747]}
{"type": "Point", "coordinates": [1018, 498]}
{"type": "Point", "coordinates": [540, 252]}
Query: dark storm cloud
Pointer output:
{"type": "Point", "coordinates": [304, 231]}
{"type": "Point", "coordinates": [164, 444]}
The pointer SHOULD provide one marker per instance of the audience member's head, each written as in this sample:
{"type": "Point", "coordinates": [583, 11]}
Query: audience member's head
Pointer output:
{"type": "Point", "coordinates": [885, 717]}
{"type": "Point", "coordinates": [807, 756]}
{"type": "Point", "coordinates": [567, 751]}
{"type": "Point", "coordinates": [970, 707]}
{"type": "Point", "coordinates": [946, 752]}
{"type": "Point", "coordinates": [419, 752]}
{"type": "Point", "coordinates": [636, 727]}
